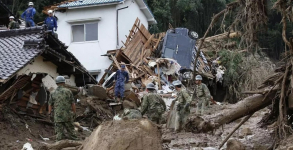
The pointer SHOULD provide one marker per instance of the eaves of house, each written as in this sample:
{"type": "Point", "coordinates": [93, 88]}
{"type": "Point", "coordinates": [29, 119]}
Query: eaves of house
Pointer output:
{"type": "Point", "coordinates": [73, 4]}
{"type": "Point", "coordinates": [19, 48]}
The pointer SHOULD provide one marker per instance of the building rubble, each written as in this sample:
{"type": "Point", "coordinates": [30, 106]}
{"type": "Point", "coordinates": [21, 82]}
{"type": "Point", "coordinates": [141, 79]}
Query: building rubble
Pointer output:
{"type": "Point", "coordinates": [141, 55]}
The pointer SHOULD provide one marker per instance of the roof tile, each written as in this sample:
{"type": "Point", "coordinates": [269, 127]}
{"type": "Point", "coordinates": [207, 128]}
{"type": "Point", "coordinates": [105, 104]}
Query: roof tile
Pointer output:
{"type": "Point", "coordinates": [87, 2]}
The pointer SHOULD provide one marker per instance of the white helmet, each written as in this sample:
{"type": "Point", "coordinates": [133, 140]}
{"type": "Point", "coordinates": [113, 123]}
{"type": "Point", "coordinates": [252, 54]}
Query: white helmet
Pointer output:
{"type": "Point", "coordinates": [198, 77]}
{"type": "Point", "coordinates": [177, 82]}
{"type": "Point", "coordinates": [31, 4]}
{"type": "Point", "coordinates": [11, 17]}
{"type": "Point", "coordinates": [50, 11]}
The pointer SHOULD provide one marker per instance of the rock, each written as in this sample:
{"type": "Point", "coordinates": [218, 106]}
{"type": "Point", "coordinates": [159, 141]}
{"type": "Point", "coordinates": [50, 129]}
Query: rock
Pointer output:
{"type": "Point", "coordinates": [260, 147]}
{"type": "Point", "coordinates": [234, 144]}
{"type": "Point", "coordinates": [290, 148]}
{"type": "Point", "coordinates": [129, 104]}
{"type": "Point", "coordinates": [246, 131]}
{"type": "Point", "coordinates": [219, 133]}
{"type": "Point", "coordinates": [97, 91]}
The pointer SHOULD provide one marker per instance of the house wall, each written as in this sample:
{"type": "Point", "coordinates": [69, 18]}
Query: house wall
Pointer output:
{"type": "Point", "coordinates": [39, 66]}
{"type": "Point", "coordinates": [127, 17]}
{"type": "Point", "coordinates": [89, 53]}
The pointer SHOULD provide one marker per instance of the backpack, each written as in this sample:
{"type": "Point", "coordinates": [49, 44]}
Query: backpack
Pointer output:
{"type": "Point", "coordinates": [16, 25]}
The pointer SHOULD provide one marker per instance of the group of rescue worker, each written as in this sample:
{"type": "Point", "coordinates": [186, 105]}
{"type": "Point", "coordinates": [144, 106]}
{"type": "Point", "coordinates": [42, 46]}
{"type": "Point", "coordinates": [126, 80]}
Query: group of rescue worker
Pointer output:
{"type": "Point", "coordinates": [28, 16]}
{"type": "Point", "coordinates": [153, 106]}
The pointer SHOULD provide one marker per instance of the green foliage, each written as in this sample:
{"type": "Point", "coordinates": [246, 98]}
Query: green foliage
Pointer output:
{"type": "Point", "coordinates": [232, 61]}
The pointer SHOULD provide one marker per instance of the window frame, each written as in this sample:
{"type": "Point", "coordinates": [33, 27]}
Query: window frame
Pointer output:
{"type": "Point", "coordinates": [84, 30]}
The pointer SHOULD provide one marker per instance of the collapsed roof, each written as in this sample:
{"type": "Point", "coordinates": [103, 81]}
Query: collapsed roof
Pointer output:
{"type": "Point", "coordinates": [20, 47]}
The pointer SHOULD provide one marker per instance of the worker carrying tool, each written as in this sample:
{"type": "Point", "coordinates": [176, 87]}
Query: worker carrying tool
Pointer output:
{"type": "Point", "coordinates": [153, 105]}
{"type": "Point", "coordinates": [203, 95]}
{"type": "Point", "coordinates": [121, 77]}
{"type": "Point", "coordinates": [51, 21]}
{"type": "Point", "coordinates": [28, 15]}
{"type": "Point", "coordinates": [64, 110]}
{"type": "Point", "coordinates": [183, 109]}
{"type": "Point", "coordinates": [12, 24]}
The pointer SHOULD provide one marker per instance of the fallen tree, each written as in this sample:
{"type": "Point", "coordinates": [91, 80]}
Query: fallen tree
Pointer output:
{"type": "Point", "coordinates": [243, 108]}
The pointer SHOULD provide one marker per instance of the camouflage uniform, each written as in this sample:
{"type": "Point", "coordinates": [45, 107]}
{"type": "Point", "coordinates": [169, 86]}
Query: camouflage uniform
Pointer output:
{"type": "Point", "coordinates": [204, 96]}
{"type": "Point", "coordinates": [62, 100]}
{"type": "Point", "coordinates": [183, 111]}
{"type": "Point", "coordinates": [153, 106]}
{"type": "Point", "coordinates": [132, 114]}
{"type": "Point", "coordinates": [12, 25]}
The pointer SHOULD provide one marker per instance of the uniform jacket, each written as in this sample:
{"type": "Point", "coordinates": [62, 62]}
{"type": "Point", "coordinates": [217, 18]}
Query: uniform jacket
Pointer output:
{"type": "Point", "coordinates": [29, 13]}
{"type": "Point", "coordinates": [202, 91]}
{"type": "Point", "coordinates": [51, 22]}
{"type": "Point", "coordinates": [183, 98]}
{"type": "Point", "coordinates": [153, 104]}
{"type": "Point", "coordinates": [121, 76]}
{"type": "Point", "coordinates": [62, 100]}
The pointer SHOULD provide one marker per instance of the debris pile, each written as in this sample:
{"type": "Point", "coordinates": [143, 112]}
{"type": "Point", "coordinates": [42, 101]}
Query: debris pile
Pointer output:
{"type": "Point", "coordinates": [141, 56]}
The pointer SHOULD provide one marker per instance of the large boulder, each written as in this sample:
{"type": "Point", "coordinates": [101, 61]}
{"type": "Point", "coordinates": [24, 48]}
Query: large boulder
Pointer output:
{"type": "Point", "coordinates": [234, 144]}
{"type": "Point", "coordinates": [124, 135]}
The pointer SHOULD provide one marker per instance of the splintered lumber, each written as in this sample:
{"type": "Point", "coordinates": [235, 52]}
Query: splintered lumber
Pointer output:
{"type": "Point", "coordinates": [116, 62]}
{"type": "Point", "coordinates": [61, 144]}
{"type": "Point", "coordinates": [159, 76]}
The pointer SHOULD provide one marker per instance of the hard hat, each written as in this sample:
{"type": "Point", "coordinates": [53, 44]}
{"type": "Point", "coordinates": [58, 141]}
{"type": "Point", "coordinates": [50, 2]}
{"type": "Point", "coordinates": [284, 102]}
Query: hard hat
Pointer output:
{"type": "Point", "coordinates": [150, 86]}
{"type": "Point", "coordinates": [11, 17]}
{"type": "Point", "coordinates": [50, 11]}
{"type": "Point", "coordinates": [60, 79]}
{"type": "Point", "coordinates": [177, 82]}
{"type": "Point", "coordinates": [123, 66]}
{"type": "Point", "coordinates": [30, 3]}
{"type": "Point", "coordinates": [198, 77]}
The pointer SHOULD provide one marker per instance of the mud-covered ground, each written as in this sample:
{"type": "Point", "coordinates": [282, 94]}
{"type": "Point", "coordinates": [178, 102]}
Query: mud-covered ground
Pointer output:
{"type": "Point", "coordinates": [250, 134]}
{"type": "Point", "coordinates": [16, 130]}
{"type": "Point", "coordinates": [14, 133]}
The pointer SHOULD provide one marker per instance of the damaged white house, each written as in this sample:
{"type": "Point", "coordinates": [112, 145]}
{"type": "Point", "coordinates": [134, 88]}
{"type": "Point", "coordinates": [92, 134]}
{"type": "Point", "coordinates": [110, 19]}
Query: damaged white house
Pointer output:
{"type": "Point", "coordinates": [92, 27]}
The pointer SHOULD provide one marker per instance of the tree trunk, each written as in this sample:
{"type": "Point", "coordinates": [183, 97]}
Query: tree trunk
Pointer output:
{"type": "Point", "coordinates": [61, 144]}
{"type": "Point", "coordinates": [245, 107]}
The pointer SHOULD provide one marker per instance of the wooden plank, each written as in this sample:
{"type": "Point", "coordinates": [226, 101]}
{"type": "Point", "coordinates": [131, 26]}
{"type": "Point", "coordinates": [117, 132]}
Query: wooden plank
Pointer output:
{"type": "Point", "coordinates": [159, 77]}
{"type": "Point", "coordinates": [116, 62]}
{"type": "Point", "coordinates": [157, 44]}
{"type": "Point", "coordinates": [132, 29]}
{"type": "Point", "coordinates": [148, 70]}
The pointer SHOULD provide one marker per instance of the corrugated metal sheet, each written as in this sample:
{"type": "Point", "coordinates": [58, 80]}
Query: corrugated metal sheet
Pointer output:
{"type": "Point", "coordinates": [87, 2]}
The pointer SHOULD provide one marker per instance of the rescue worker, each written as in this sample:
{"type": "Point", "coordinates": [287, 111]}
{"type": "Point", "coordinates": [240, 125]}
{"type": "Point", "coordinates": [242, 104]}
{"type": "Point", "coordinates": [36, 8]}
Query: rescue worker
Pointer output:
{"type": "Point", "coordinates": [183, 100]}
{"type": "Point", "coordinates": [121, 77]}
{"type": "Point", "coordinates": [130, 111]}
{"type": "Point", "coordinates": [12, 24]}
{"type": "Point", "coordinates": [203, 95]}
{"type": "Point", "coordinates": [28, 15]}
{"type": "Point", "coordinates": [64, 110]}
{"type": "Point", "coordinates": [51, 22]}
{"type": "Point", "coordinates": [153, 105]}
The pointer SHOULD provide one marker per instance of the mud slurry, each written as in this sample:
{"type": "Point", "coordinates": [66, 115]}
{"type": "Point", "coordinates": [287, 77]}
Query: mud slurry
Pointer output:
{"type": "Point", "coordinates": [260, 138]}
